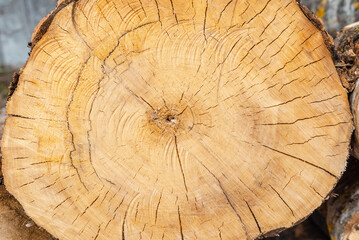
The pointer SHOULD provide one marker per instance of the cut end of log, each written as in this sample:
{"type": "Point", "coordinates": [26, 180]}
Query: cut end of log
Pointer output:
{"type": "Point", "coordinates": [343, 215]}
{"type": "Point", "coordinates": [347, 48]}
{"type": "Point", "coordinates": [343, 209]}
{"type": "Point", "coordinates": [14, 224]}
{"type": "Point", "coordinates": [347, 62]}
{"type": "Point", "coordinates": [175, 120]}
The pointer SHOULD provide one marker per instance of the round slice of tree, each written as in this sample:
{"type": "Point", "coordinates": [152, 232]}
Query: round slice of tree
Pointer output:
{"type": "Point", "coordinates": [175, 119]}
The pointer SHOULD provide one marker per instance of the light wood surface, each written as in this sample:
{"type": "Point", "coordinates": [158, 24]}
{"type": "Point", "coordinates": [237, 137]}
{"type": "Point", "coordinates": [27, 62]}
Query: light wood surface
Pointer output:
{"type": "Point", "coordinates": [175, 119]}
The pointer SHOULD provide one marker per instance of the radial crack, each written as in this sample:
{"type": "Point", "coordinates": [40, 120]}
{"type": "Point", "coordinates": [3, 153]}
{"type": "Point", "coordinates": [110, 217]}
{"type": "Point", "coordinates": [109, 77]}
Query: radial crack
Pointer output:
{"type": "Point", "coordinates": [205, 21]}
{"type": "Point", "coordinates": [254, 217]}
{"type": "Point", "coordinates": [228, 200]}
{"type": "Point", "coordinates": [173, 11]}
{"type": "Point", "coordinates": [224, 9]}
{"type": "Point", "coordinates": [302, 160]}
{"type": "Point", "coordinates": [180, 164]}
{"type": "Point", "coordinates": [158, 205]}
{"type": "Point", "coordinates": [291, 210]}
{"type": "Point", "coordinates": [259, 12]}
{"type": "Point", "coordinates": [180, 222]}
{"type": "Point", "coordinates": [158, 12]}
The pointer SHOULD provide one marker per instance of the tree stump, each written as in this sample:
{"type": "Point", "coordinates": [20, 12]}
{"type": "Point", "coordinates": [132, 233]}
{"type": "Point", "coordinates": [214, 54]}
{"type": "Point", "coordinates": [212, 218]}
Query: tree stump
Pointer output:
{"type": "Point", "coordinates": [175, 120]}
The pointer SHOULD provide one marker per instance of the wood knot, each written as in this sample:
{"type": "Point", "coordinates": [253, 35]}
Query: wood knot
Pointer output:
{"type": "Point", "coordinates": [173, 120]}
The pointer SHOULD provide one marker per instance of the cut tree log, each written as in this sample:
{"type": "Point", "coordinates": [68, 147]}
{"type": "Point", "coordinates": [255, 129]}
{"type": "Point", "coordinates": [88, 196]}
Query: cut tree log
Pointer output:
{"type": "Point", "coordinates": [354, 101]}
{"type": "Point", "coordinates": [347, 45]}
{"type": "Point", "coordinates": [343, 211]}
{"type": "Point", "coordinates": [347, 61]}
{"type": "Point", "coordinates": [175, 120]}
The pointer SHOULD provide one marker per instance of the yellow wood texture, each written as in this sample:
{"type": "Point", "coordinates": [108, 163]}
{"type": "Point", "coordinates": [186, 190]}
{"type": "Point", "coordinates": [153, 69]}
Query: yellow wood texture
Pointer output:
{"type": "Point", "coordinates": [175, 119]}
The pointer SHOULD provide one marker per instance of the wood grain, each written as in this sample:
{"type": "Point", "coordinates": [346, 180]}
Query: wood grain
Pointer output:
{"type": "Point", "coordinates": [176, 119]}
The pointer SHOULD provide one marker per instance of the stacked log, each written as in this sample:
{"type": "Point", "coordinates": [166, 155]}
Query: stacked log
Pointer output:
{"type": "Point", "coordinates": [176, 120]}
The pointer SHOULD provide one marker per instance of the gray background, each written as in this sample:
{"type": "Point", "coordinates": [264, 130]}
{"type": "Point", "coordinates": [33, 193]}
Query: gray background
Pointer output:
{"type": "Point", "coordinates": [18, 18]}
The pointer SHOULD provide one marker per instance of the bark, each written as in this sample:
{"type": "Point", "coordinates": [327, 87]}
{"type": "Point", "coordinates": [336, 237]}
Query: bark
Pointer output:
{"type": "Point", "coordinates": [347, 47]}
{"type": "Point", "coordinates": [343, 210]}
{"type": "Point", "coordinates": [175, 120]}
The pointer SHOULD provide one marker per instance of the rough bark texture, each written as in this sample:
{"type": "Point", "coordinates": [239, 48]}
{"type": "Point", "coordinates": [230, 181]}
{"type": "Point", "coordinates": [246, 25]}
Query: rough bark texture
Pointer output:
{"type": "Point", "coordinates": [347, 49]}
{"type": "Point", "coordinates": [354, 101]}
{"type": "Point", "coordinates": [175, 120]}
{"type": "Point", "coordinates": [343, 210]}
